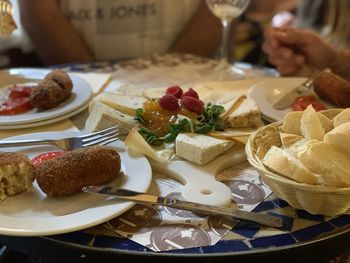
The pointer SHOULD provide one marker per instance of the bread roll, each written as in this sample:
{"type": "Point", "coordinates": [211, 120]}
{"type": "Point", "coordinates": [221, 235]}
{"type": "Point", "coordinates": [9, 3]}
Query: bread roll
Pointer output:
{"type": "Point", "coordinates": [16, 174]}
{"type": "Point", "coordinates": [329, 162]}
{"type": "Point", "coordinates": [292, 122]}
{"type": "Point", "coordinates": [280, 161]}
{"type": "Point", "coordinates": [288, 139]}
{"type": "Point", "coordinates": [342, 117]}
{"type": "Point", "coordinates": [340, 137]}
{"type": "Point", "coordinates": [310, 125]}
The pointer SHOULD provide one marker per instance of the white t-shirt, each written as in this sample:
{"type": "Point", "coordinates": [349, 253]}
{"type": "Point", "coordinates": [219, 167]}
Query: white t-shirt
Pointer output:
{"type": "Point", "coordinates": [129, 28]}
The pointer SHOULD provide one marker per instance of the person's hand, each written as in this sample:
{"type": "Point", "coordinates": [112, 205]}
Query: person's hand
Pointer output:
{"type": "Point", "coordinates": [292, 50]}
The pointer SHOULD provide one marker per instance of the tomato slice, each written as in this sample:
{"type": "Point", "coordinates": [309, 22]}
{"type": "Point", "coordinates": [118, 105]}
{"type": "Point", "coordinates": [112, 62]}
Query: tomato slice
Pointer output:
{"type": "Point", "coordinates": [17, 92]}
{"type": "Point", "coordinates": [37, 160]}
{"type": "Point", "coordinates": [302, 102]}
{"type": "Point", "coordinates": [12, 107]}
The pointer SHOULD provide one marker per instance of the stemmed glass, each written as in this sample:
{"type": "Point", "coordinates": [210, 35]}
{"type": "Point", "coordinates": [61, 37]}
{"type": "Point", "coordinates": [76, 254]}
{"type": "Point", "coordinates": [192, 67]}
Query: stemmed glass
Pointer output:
{"type": "Point", "coordinates": [226, 11]}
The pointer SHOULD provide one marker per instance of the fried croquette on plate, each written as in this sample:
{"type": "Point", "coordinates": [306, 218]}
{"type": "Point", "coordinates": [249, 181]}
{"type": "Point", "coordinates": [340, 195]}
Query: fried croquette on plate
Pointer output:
{"type": "Point", "coordinates": [51, 91]}
{"type": "Point", "coordinates": [46, 95]}
{"type": "Point", "coordinates": [62, 79]}
{"type": "Point", "coordinates": [16, 174]}
{"type": "Point", "coordinates": [69, 173]}
{"type": "Point", "coordinates": [332, 88]}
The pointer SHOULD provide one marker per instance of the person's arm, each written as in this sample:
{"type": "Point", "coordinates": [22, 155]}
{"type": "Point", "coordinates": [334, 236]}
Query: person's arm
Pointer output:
{"type": "Point", "coordinates": [291, 50]}
{"type": "Point", "coordinates": [202, 36]}
{"type": "Point", "coordinates": [53, 36]}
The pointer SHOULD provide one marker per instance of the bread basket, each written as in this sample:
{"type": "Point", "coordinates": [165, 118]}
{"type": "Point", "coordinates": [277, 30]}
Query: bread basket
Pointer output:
{"type": "Point", "coordinates": [317, 199]}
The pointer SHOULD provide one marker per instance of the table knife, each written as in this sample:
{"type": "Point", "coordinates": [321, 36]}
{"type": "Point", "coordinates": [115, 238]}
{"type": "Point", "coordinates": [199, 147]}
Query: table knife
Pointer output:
{"type": "Point", "coordinates": [290, 96]}
{"type": "Point", "coordinates": [143, 198]}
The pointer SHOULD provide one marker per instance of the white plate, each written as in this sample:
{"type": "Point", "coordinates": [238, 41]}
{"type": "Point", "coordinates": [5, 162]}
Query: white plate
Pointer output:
{"type": "Point", "coordinates": [267, 92]}
{"type": "Point", "coordinates": [81, 95]}
{"type": "Point", "coordinates": [45, 122]}
{"type": "Point", "coordinates": [34, 214]}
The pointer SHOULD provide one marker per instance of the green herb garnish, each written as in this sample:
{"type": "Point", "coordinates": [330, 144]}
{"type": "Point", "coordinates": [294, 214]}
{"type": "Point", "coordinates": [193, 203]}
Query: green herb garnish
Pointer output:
{"type": "Point", "coordinates": [139, 116]}
{"type": "Point", "coordinates": [150, 136]}
{"type": "Point", "coordinates": [209, 121]}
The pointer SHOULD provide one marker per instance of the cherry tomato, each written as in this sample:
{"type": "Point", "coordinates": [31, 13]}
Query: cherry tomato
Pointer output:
{"type": "Point", "coordinates": [12, 107]}
{"type": "Point", "coordinates": [19, 92]}
{"type": "Point", "coordinates": [37, 160]}
{"type": "Point", "coordinates": [301, 103]}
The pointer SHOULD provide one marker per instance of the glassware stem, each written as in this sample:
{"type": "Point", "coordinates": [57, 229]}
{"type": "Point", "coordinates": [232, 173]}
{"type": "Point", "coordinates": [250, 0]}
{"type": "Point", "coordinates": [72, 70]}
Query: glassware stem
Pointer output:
{"type": "Point", "coordinates": [224, 56]}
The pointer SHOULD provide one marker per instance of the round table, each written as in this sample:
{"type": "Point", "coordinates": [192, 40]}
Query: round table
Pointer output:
{"type": "Point", "coordinates": [303, 237]}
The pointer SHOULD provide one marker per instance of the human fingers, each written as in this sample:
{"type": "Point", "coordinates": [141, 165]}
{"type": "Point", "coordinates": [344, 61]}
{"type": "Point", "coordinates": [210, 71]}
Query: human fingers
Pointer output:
{"type": "Point", "coordinates": [288, 70]}
{"type": "Point", "coordinates": [286, 57]}
{"type": "Point", "coordinates": [293, 36]}
{"type": "Point", "coordinates": [269, 36]}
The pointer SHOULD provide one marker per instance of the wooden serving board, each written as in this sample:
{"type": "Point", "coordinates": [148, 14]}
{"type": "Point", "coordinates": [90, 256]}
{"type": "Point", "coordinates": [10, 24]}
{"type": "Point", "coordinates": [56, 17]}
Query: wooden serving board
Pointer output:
{"type": "Point", "coordinates": [199, 182]}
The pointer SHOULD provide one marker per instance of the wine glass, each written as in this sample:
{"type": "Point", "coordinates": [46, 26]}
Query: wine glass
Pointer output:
{"type": "Point", "coordinates": [226, 11]}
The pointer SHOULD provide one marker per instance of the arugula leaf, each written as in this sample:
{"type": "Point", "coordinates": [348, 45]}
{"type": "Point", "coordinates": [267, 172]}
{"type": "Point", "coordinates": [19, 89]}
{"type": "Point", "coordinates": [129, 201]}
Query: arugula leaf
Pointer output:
{"type": "Point", "coordinates": [211, 120]}
{"type": "Point", "coordinates": [184, 125]}
{"type": "Point", "coordinates": [139, 116]}
{"type": "Point", "coordinates": [150, 137]}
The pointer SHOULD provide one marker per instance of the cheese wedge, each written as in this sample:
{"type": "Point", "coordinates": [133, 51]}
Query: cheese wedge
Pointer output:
{"type": "Point", "coordinates": [200, 149]}
{"type": "Point", "coordinates": [124, 103]}
{"type": "Point", "coordinates": [135, 141]}
{"type": "Point", "coordinates": [102, 116]}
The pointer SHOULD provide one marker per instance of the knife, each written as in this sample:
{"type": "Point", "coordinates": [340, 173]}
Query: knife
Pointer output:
{"type": "Point", "coordinates": [290, 96]}
{"type": "Point", "coordinates": [143, 198]}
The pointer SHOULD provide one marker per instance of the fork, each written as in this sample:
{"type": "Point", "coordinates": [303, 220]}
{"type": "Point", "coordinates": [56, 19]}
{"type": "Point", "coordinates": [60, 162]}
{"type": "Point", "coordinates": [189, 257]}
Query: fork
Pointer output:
{"type": "Point", "coordinates": [70, 143]}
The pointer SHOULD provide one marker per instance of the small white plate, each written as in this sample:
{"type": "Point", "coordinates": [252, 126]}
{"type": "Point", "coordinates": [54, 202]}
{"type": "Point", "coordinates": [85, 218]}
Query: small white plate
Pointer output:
{"type": "Point", "coordinates": [267, 92]}
{"type": "Point", "coordinates": [45, 122]}
{"type": "Point", "coordinates": [34, 214]}
{"type": "Point", "coordinates": [81, 95]}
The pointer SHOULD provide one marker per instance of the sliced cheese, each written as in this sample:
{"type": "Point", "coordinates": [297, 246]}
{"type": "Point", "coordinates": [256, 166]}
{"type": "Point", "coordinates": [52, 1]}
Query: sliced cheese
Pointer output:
{"type": "Point", "coordinates": [124, 103]}
{"type": "Point", "coordinates": [102, 116]}
{"type": "Point", "coordinates": [287, 165]}
{"type": "Point", "coordinates": [200, 149]}
{"type": "Point", "coordinates": [135, 141]}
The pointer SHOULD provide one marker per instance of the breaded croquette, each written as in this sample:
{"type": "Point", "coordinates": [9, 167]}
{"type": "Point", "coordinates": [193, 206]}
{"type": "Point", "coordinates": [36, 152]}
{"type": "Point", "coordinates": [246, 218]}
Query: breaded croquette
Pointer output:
{"type": "Point", "coordinates": [69, 173]}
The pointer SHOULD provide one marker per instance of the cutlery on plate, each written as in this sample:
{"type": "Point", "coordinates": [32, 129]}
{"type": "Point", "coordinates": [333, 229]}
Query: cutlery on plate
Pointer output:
{"type": "Point", "coordinates": [143, 198]}
{"type": "Point", "coordinates": [290, 96]}
{"type": "Point", "coordinates": [101, 137]}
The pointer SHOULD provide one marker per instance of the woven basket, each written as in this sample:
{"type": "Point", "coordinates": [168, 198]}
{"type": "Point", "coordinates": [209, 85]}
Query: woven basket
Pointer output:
{"type": "Point", "coordinates": [315, 199]}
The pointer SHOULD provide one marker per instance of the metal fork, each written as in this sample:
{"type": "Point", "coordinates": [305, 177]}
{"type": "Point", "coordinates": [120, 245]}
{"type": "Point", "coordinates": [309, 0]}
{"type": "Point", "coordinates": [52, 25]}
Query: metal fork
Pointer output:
{"type": "Point", "coordinates": [70, 143]}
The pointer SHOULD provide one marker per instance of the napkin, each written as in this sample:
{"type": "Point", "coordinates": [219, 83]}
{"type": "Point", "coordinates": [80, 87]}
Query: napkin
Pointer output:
{"type": "Point", "coordinates": [97, 81]}
{"type": "Point", "coordinates": [63, 126]}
